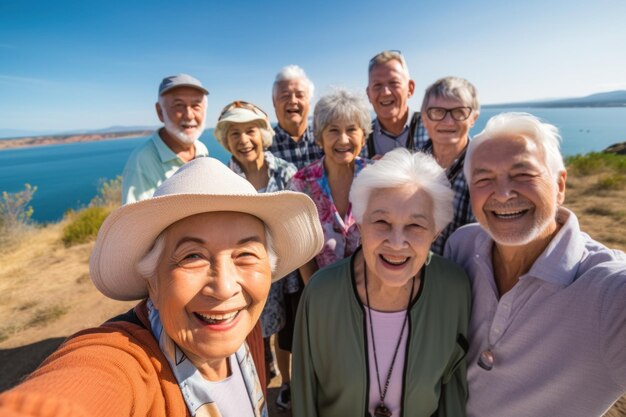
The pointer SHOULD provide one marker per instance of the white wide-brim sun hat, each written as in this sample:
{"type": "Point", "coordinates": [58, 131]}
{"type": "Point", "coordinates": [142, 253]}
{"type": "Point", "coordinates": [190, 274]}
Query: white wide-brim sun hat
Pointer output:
{"type": "Point", "coordinates": [200, 186]}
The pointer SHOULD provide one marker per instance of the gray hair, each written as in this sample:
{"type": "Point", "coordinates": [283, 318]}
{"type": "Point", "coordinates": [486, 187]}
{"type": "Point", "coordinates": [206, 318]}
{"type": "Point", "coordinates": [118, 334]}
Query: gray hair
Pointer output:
{"type": "Point", "coordinates": [514, 124]}
{"type": "Point", "coordinates": [341, 105]}
{"type": "Point", "coordinates": [399, 168]}
{"type": "Point", "coordinates": [386, 56]}
{"type": "Point", "coordinates": [147, 266]}
{"type": "Point", "coordinates": [453, 88]}
{"type": "Point", "coordinates": [292, 72]}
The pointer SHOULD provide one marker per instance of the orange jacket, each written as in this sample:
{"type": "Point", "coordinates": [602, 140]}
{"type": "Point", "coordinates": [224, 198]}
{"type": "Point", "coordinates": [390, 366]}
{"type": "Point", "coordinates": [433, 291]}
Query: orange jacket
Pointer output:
{"type": "Point", "coordinates": [116, 369]}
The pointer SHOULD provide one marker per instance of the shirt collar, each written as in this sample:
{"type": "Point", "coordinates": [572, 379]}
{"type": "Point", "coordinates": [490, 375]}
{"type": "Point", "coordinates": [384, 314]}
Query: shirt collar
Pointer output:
{"type": "Point", "coordinates": [281, 133]}
{"type": "Point", "coordinates": [166, 154]}
{"type": "Point", "coordinates": [378, 128]}
{"type": "Point", "coordinates": [558, 263]}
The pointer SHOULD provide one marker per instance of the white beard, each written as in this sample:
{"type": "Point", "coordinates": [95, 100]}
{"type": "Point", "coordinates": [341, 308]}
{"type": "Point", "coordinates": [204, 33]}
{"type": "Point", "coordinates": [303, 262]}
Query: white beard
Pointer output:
{"type": "Point", "coordinates": [179, 134]}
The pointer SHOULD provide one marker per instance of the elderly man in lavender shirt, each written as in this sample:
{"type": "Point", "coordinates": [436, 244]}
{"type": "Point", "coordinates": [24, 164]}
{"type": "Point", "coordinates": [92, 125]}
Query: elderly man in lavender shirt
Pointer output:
{"type": "Point", "coordinates": [548, 328]}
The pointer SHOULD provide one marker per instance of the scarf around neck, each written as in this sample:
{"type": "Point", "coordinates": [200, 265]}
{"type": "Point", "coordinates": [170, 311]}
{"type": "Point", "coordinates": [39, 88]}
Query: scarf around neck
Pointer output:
{"type": "Point", "coordinates": [195, 389]}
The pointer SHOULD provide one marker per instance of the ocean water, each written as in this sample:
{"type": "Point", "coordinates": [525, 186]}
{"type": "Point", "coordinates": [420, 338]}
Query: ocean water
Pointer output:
{"type": "Point", "coordinates": [68, 176]}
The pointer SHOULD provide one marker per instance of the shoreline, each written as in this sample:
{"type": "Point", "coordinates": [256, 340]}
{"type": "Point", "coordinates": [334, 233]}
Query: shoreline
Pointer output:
{"type": "Point", "coordinates": [31, 141]}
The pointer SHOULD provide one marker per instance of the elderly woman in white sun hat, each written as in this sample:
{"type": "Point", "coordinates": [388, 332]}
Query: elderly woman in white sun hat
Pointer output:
{"type": "Point", "coordinates": [201, 255]}
{"type": "Point", "coordinates": [244, 130]}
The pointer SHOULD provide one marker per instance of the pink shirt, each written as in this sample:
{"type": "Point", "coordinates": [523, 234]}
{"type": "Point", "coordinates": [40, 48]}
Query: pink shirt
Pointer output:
{"type": "Point", "coordinates": [387, 328]}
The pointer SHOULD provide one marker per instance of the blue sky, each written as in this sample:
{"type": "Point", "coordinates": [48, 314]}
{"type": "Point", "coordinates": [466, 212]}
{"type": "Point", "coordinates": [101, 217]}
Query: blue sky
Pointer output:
{"type": "Point", "coordinates": [68, 65]}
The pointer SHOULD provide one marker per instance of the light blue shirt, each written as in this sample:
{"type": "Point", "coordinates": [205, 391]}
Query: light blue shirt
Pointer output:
{"type": "Point", "coordinates": [149, 165]}
{"type": "Point", "coordinates": [558, 337]}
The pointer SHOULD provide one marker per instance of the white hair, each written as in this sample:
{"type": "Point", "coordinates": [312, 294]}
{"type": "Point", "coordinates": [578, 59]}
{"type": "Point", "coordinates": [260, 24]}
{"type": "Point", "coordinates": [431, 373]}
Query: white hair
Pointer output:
{"type": "Point", "coordinates": [399, 168]}
{"type": "Point", "coordinates": [514, 124]}
{"type": "Point", "coordinates": [147, 266]}
{"type": "Point", "coordinates": [292, 72]}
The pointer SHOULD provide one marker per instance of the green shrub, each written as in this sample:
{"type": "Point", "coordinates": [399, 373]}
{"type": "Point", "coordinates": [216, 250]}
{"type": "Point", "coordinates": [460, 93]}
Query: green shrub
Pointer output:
{"type": "Point", "coordinates": [15, 214]}
{"type": "Point", "coordinates": [596, 162]}
{"type": "Point", "coordinates": [109, 193]}
{"type": "Point", "coordinates": [84, 227]}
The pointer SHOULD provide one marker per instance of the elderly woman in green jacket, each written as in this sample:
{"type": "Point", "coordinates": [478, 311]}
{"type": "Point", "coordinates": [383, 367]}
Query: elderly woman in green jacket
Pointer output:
{"type": "Point", "coordinates": [383, 332]}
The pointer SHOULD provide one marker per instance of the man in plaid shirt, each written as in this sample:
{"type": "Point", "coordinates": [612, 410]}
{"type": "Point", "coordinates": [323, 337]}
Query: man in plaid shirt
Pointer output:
{"type": "Point", "coordinates": [291, 95]}
{"type": "Point", "coordinates": [449, 109]}
{"type": "Point", "coordinates": [294, 142]}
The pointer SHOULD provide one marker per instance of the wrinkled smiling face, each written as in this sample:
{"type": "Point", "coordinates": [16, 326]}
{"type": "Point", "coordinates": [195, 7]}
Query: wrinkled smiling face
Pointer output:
{"type": "Point", "coordinates": [342, 142]}
{"type": "Point", "coordinates": [212, 282]}
{"type": "Point", "coordinates": [182, 111]}
{"type": "Point", "coordinates": [397, 230]}
{"type": "Point", "coordinates": [245, 142]}
{"type": "Point", "coordinates": [448, 132]}
{"type": "Point", "coordinates": [389, 90]}
{"type": "Point", "coordinates": [513, 193]}
{"type": "Point", "coordinates": [291, 103]}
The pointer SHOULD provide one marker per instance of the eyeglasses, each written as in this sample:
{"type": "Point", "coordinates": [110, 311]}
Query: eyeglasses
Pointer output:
{"type": "Point", "coordinates": [437, 114]}
{"type": "Point", "coordinates": [242, 105]}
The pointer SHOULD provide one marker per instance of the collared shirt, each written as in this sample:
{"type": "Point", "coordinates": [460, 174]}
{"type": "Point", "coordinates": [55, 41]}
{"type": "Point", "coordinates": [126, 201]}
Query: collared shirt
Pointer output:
{"type": "Point", "coordinates": [149, 165]}
{"type": "Point", "coordinates": [558, 337]}
{"type": "Point", "coordinates": [279, 171]}
{"type": "Point", "coordinates": [461, 202]}
{"type": "Point", "coordinates": [300, 153]}
{"type": "Point", "coordinates": [341, 235]}
{"type": "Point", "coordinates": [385, 141]}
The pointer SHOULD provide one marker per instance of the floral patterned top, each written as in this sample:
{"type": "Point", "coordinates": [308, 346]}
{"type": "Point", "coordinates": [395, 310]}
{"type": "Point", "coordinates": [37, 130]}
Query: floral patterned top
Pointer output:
{"type": "Point", "coordinates": [341, 235]}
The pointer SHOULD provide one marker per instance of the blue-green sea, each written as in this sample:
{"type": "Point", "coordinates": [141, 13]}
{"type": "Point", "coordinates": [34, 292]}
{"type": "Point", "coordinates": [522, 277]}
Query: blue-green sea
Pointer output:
{"type": "Point", "coordinates": [67, 176]}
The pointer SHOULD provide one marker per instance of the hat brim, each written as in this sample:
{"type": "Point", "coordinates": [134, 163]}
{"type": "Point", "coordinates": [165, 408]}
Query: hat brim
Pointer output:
{"type": "Point", "coordinates": [130, 231]}
{"type": "Point", "coordinates": [239, 115]}
{"type": "Point", "coordinates": [197, 87]}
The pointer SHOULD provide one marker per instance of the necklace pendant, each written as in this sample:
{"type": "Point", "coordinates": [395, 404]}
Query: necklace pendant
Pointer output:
{"type": "Point", "coordinates": [485, 360]}
{"type": "Point", "coordinates": [382, 411]}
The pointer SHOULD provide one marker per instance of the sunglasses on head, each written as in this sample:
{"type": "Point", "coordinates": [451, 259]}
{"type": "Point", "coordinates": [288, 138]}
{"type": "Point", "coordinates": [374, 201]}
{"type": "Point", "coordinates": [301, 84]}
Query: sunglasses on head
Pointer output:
{"type": "Point", "coordinates": [243, 105]}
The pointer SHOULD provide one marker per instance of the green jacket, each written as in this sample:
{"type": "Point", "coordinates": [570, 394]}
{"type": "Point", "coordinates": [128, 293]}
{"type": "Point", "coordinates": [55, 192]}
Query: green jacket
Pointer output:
{"type": "Point", "coordinates": [330, 361]}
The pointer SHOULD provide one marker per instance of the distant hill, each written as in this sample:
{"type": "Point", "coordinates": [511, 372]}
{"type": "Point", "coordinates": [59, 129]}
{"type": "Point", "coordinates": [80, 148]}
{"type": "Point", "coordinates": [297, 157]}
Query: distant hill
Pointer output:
{"type": "Point", "coordinates": [608, 99]}
{"type": "Point", "coordinates": [15, 133]}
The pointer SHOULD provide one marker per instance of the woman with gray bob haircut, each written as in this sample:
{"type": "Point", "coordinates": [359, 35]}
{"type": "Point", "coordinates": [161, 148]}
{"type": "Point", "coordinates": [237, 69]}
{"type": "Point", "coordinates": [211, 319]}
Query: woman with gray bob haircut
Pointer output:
{"type": "Point", "coordinates": [341, 122]}
{"type": "Point", "coordinates": [399, 313]}
{"type": "Point", "coordinates": [341, 105]}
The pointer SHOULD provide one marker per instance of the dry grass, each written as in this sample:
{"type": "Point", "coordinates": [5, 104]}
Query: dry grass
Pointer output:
{"type": "Point", "coordinates": [46, 291]}
{"type": "Point", "coordinates": [601, 212]}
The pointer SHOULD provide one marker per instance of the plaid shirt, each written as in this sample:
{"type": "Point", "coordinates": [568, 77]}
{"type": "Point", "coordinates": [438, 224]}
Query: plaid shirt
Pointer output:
{"type": "Point", "coordinates": [420, 136]}
{"type": "Point", "coordinates": [300, 153]}
{"type": "Point", "coordinates": [279, 171]}
{"type": "Point", "coordinates": [461, 201]}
